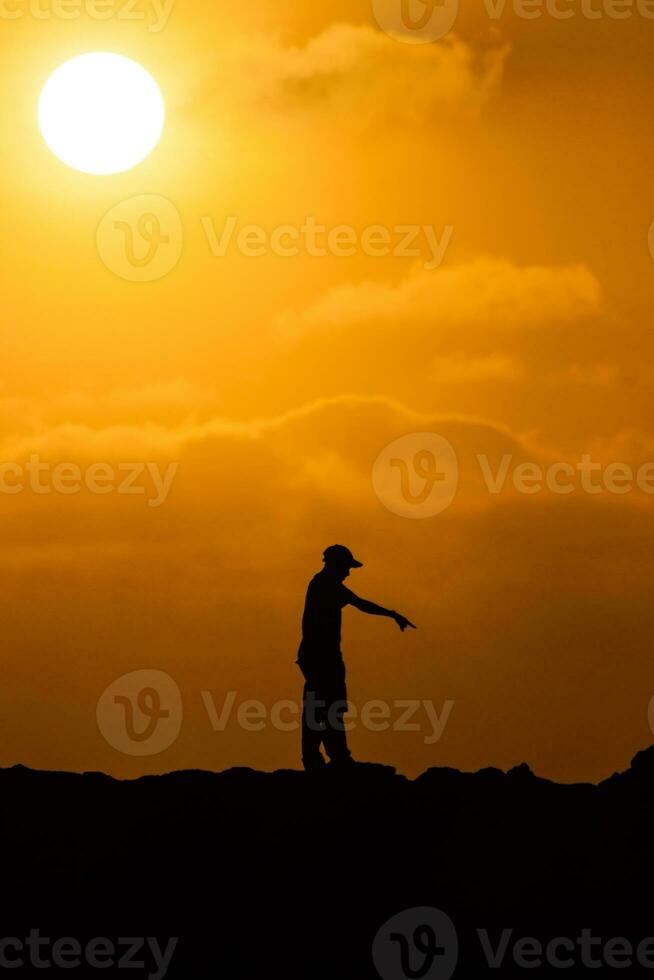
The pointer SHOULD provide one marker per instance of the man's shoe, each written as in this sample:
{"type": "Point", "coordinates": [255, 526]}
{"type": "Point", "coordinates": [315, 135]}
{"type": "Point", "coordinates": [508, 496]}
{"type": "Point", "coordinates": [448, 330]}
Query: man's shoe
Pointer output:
{"type": "Point", "coordinates": [314, 765]}
{"type": "Point", "coordinates": [345, 763]}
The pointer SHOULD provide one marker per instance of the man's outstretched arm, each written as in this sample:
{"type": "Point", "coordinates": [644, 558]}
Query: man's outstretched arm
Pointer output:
{"type": "Point", "coordinates": [364, 605]}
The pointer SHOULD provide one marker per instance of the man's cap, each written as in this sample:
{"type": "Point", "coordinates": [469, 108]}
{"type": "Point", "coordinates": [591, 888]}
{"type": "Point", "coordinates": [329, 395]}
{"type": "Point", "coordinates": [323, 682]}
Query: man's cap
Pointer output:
{"type": "Point", "coordinates": [338, 554]}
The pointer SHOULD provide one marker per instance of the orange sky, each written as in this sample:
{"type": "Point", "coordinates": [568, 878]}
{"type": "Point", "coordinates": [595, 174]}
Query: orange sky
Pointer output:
{"type": "Point", "coordinates": [274, 382]}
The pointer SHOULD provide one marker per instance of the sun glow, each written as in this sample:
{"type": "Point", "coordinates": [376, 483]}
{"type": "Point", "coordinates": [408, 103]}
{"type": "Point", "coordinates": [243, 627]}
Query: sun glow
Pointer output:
{"type": "Point", "coordinates": [101, 113]}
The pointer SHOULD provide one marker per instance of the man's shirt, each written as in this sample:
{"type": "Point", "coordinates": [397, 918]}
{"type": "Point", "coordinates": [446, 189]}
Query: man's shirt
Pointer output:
{"type": "Point", "coordinates": [321, 621]}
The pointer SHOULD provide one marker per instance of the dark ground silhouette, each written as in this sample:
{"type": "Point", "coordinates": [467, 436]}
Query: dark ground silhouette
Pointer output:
{"type": "Point", "coordinates": [293, 874]}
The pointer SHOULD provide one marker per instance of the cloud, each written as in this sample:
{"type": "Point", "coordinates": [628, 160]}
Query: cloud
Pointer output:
{"type": "Point", "coordinates": [360, 72]}
{"type": "Point", "coordinates": [175, 393]}
{"type": "Point", "coordinates": [326, 425]}
{"type": "Point", "coordinates": [457, 369]}
{"type": "Point", "coordinates": [629, 445]}
{"type": "Point", "coordinates": [484, 292]}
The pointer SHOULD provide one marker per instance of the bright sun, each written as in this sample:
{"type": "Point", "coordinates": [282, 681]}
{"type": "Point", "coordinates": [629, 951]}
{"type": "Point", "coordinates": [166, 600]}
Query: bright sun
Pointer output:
{"type": "Point", "coordinates": [101, 113]}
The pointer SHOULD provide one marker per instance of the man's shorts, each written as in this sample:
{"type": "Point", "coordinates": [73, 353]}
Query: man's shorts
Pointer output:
{"type": "Point", "coordinates": [325, 679]}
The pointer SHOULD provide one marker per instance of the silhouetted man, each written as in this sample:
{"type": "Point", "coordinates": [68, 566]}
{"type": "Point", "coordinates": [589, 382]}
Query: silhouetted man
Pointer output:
{"type": "Point", "coordinates": [321, 661]}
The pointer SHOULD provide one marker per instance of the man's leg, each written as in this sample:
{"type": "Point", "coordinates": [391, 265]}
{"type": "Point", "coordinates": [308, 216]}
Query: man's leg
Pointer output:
{"type": "Point", "coordinates": [336, 697]}
{"type": "Point", "coordinates": [335, 738]}
{"type": "Point", "coordinates": [313, 729]}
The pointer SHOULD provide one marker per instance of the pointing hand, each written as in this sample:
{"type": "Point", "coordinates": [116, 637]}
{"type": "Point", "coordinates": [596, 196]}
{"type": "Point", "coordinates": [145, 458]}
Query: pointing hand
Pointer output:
{"type": "Point", "coordinates": [403, 622]}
